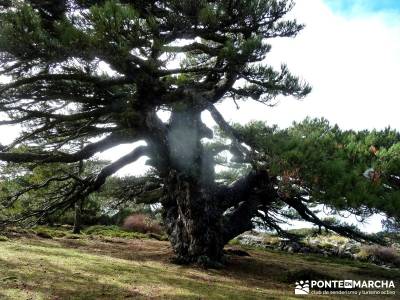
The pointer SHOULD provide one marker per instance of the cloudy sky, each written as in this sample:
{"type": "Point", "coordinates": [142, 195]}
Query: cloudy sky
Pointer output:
{"type": "Point", "coordinates": [349, 52]}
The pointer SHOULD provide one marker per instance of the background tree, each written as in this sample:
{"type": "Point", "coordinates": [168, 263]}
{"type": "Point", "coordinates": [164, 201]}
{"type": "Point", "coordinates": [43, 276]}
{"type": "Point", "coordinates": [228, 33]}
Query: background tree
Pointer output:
{"type": "Point", "coordinates": [25, 188]}
{"type": "Point", "coordinates": [101, 70]}
{"type": "Point", "coordinates": [391, 225]}
{"type": "Point", "coordinates": [317, 165]}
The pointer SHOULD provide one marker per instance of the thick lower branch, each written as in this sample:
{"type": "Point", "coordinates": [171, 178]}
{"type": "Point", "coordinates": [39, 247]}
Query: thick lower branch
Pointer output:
{"type": "Point", "coordinates": [80, 189]}
{"type": "Point", "coordinates": [46, 157]}
{"type": "Point", "coordinates": [239, 219]}
{"type": "Point", "coordinates": [242, 188]}
{"type": "Point", "coordinates": [343, 230]}
{"type": "Point", "coordinates": [115, 166]}
{"type": "Point", "coordinates": [243, 199]}
{"type": "Point", "coordinates": [236, 148]}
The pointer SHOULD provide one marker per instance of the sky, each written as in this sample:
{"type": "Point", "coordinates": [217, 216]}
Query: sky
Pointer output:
{"type": "Point", "coordinates": [349, 52]}
{"type": "Point", "coordinates": [352, 7]}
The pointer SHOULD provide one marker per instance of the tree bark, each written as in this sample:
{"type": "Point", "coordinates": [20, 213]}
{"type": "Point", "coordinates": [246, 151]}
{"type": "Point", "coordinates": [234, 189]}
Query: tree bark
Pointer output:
{"type": "Point", "coordinates": [200, 216]}
{"type": "Point", "coordinates": [191, 214]}
{"type": "Point", "coordinates": [77, 217]}
{"type": "Point", "coordinates": [201, 219]}
{"type": "Point", "coordinates": [193, 221]}
{"type": "Point", "coordinates": [79, 203]}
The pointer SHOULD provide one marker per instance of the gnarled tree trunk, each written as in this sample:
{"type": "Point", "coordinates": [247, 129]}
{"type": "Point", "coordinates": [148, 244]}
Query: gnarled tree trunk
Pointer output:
{"type": "Point", "coordinates": [191, 215]}
{"type": "Point", "coordinates": [201, 219]}
{"type": "Point", "coordinates": [193, 221]}
{"type": "Point", "coordinates": [199, 215]}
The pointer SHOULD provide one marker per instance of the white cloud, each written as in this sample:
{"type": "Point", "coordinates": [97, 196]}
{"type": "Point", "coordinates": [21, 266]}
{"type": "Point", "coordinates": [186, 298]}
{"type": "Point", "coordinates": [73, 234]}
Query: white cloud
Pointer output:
{"type": "Point", "coordinates": [352, 62]}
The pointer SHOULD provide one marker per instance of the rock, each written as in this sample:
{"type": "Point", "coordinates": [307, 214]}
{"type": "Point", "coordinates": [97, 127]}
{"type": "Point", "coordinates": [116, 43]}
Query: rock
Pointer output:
{"type": "Point", "coordinates": [296, 247]}
{"type": "Point", "coordinates": [386, 267]}
{"type": "Point", "coordinates": [347, 254]}
{"type": "Point", "coordinates": [305, 250]}
{"type": "Point", "coordinates": [289, 246]}
{"type": "Point", "coordinates": [66, 226]}
{"type": "Point", "coordinates": [251, 240]}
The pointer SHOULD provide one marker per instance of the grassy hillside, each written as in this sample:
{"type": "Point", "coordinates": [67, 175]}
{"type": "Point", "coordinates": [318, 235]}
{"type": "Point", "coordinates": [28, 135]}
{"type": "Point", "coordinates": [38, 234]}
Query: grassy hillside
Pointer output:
{"type": "Point", "coordinates": [95, 267]}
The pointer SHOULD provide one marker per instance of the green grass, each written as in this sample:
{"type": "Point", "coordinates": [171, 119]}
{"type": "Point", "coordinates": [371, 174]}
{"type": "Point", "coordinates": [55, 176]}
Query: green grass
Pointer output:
{"type": "Point", "coordinates": [113, 231]}
{"type": "Point", "coordinates": [3, 238]}
{"type": "Point", "coordinates": [100, 231]}
{"type": "Point", "coordinates": [122, 268]}
{"type": "Point", "coordinates": [50, 232]}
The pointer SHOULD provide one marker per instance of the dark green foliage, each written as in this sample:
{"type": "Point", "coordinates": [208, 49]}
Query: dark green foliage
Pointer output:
{"type": "Point", "coordinates": [343, 170]}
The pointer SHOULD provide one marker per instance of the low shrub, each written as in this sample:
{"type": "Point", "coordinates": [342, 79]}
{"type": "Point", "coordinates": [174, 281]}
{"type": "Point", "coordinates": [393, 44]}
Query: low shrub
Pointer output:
{"type": "Point", "coordinates": [325, 245]}
{"type": "Point", "coordinates": [3, 238]}
{"type": "Point", "coordinates": [272, 240]}
{"type": "Point", "coordinates": [379, 254]}
{"type": "Point", "coordinates": [142, 223]}
{"type": "Point", "coordinates": [234, 242]}
{"type": "Point", "coordinates": [43, 234]}
{"type": "Point", "coordinates": [49, 232]}
{"type": "Point", "coordinates": [112, 231]}
{"type": "Point", "coordinates": [158, 237]}
{"type": "Point", "coordinates": [72, 236]}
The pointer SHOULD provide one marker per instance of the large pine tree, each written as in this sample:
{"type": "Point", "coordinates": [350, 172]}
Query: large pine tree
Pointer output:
{"type": "Point", "coordinates": [99, 71]}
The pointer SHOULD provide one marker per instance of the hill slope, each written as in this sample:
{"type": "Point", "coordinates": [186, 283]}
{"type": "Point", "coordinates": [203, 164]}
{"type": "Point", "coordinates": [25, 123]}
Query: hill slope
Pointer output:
{"type": "Point", "coordinates": [116, 268]}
